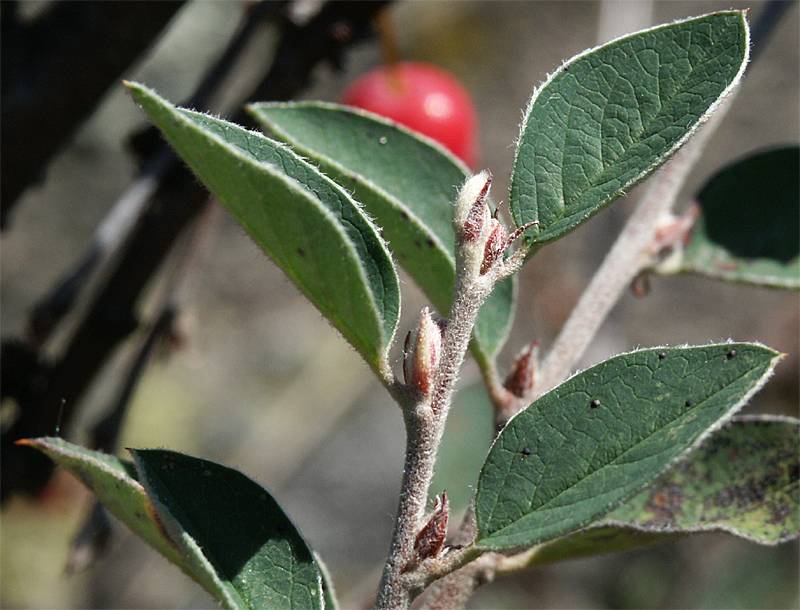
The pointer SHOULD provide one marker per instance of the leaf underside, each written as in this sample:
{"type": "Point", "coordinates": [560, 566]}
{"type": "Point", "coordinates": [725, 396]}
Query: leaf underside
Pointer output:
{"type": "Point", "coordinates": [747, 230]}
{"type": "Point", "coordinates": [311, 227]}
{"type": "Point", "coordinates": [245, 535]}
{"type": "Point", "coordinates": [608, 117]}
{"type": "Point", "coordinates": [115, 484]}
{"type": "Point", "coordinates": [407, 183]}
{"type": "Point", "coordinates": [220, 527]}
{"type": "Point", "coordinates": [585, 447]}
{"type": "Point", "coordinates": [743, 480]}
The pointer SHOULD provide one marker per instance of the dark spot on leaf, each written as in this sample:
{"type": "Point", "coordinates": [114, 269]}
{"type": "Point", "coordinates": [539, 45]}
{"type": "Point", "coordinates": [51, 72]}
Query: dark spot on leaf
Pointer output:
{"type": "Point", "coordinates": [595, 403]}
{"type": "Point", "coordinates": [429, 241]}
{"type": "Point", "coordinates": [779, 513]}
{"type": "Point", "coordinates": [743, 496]}
{"type": "Point", "coordinates": [662, 355]}
{"type": "Point", "coordinates": [526, 451]}
{"type": "Point", "coordinates": [689, 402]}
{"type": "Point", "coordinates": [404, 214]}
{"type": "Point", "coordinates": [731, 354]}
{"type": "Point", "coordinates": [665, 504]}
{"type": "Point", "coordinates": [301, 252]}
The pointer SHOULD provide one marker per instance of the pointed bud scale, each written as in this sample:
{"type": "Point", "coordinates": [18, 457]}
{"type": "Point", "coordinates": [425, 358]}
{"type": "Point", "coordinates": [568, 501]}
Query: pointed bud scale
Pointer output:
{"type": "Point", "coordinates": [472, 214]}
{"type": "Point", "coordinates": [496, 244]}
{"type": "Point", "coordinates": [422, 351]}
{"type": "Point", "coordinates": [523, 374]}
{"type": "Point", "coordinates": [430, 539]}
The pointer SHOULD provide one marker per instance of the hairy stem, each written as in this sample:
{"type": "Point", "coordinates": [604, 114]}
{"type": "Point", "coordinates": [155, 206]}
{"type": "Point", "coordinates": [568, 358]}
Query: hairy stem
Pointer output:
{"type": "Point", "coordinates": [424, 428]}
{"type": "Point", "coordinates": [630, 254]}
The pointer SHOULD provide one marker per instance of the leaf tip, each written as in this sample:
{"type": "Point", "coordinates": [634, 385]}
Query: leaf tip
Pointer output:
{"type": "Point", "coordinates": [133, 86]}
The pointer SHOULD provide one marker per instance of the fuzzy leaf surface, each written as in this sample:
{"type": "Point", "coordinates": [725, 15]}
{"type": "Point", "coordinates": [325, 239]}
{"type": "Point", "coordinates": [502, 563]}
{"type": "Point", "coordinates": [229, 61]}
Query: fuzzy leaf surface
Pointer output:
{"type": "Point", "coordinates": [244, 535]}
{"type": "Point", "coordinates": [311, 227]}
{"type": "Point", "coordinates": [609, 116]}
{"type": "Point", "coordinates": [743, 480]}
{"type": "Point", "coordinates": [584, 448]}
{"type": "Point", "coordinates": [406, 182]}
{"type": "Point", "coordinates": [748, 225]}
{"type": "Point", "coordinates": [116, 486]}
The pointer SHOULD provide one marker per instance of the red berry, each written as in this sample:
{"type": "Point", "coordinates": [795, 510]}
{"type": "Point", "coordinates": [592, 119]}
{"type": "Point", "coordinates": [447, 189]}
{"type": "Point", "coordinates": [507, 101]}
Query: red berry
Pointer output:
{"type": "Point", "coordinates": [423, 98]}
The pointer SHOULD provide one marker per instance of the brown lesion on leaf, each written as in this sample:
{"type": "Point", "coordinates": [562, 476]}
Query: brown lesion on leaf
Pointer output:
{"type": "Point", "coordinates": [665, 504]}
{"type": "Point", "coordinates": [742, 496]}
{"type": "Point", "coordinates": [779, 512]}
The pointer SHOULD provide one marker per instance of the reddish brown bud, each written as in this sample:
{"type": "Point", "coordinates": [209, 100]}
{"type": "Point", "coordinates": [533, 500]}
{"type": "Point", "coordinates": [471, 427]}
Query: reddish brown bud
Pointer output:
{"type": "Point", "coordinates": [495, 245]}
{"type": "Point", "coordinates": [523, 373]}
{"type": "Point", "coordinates": [430, 539]}
{"type": "Point", "coordinates": [422, 351]}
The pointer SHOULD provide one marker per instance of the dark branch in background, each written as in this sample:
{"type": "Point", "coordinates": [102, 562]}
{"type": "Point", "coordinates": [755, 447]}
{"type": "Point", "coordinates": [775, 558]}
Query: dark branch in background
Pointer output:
{"type": "Point", "coordinates": [111, 316]}
{"type": "Point", "coordinates": [157, 163]}
{"type": "Point", "coordinates": [93, 536]}
{"type": "Point", "coordinates": [55, 72]}
{"type": "Point", "coordinates": [105, 434]}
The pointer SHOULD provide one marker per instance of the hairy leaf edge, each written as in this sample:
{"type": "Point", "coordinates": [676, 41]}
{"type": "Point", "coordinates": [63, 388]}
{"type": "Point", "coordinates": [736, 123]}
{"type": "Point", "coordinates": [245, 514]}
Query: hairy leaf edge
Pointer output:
{"type": "Point", "coordinates": [254, 109]}
{"type": "Point", "coordinates": [295, 186]}
{"type": "Point", "coordinates": [681, 141]}
{"type": "Point", "coordinates": [480, 542]}
{"type": "Point", "coordinates": [187, 560]}
{"type": "Point", "coordinates": [716, 527]}
{"type": "Point", "coordinates": [177, 532]}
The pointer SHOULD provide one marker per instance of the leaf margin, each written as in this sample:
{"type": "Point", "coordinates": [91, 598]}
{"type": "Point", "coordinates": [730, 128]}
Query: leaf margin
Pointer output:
{"type": "Point", "coordinates": [141, 94]}
{"type": "Point", "coordinates": [719, 423]}
{"type": "Point", "coordinates": [536, 242]}
{"type": "Point", "coordinates": [484, 354]}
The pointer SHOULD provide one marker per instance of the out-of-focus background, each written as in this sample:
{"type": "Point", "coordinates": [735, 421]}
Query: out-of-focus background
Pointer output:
{"type": "Point", "coordinates": [265, 385]}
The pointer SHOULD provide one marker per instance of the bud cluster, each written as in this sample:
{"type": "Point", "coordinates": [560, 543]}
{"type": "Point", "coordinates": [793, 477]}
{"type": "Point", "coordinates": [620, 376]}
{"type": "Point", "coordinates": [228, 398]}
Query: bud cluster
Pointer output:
{"type": "Point", "coordinates": [422, 352]}
{"type": "Point", "coordinates": [482, 238]}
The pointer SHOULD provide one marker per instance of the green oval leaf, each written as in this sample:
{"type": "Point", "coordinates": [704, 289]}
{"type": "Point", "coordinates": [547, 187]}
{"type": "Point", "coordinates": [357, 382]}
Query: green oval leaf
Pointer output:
{"type": "Point", "coordinates": [747, 230]}
{"type": "Point", "coordinates": [244, 535]}
{"type": "Point", "coordinates": [311, 227]}
{"type": "Point", "coordinates": [743, 480]}
{"type": "Point", "coordinates": [116, 486]}
{"type": "Point", "coordinates": [609, 116]}
{"type": "Point", "coordinates": [585, 447]}
{"type": "Point", "coordinates": [406, 182]}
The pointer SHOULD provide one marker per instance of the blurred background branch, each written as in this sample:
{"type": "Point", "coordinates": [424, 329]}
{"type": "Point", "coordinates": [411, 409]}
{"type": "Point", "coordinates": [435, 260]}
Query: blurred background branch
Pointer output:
{"type": "Point", "coordinates": [48, 394]}
{"type": "Point", "coordinates": [56, 69]}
